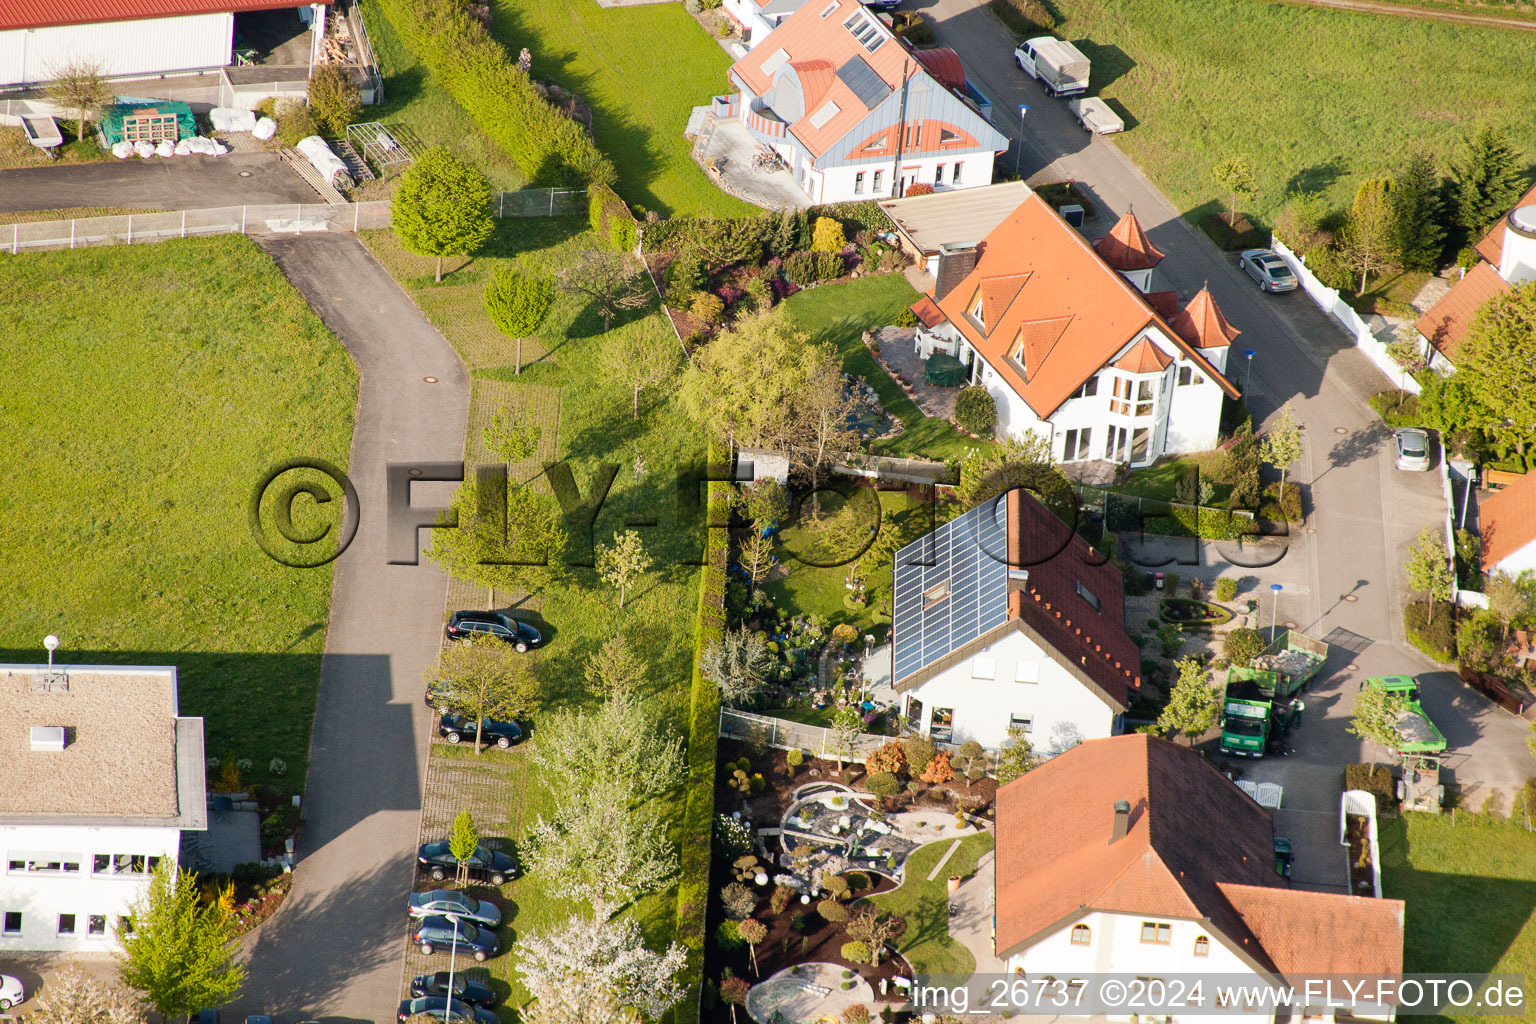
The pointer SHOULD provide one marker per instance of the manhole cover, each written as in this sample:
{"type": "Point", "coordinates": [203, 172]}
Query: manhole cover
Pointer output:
{"type": "Point", "coordinates": [245, 174]}
{"type": "Point", "coordinates": [1341, 430]}
{"type": "Point", "coordinates": [430, 380]}
{"type": "Point", "coordinates": [415, 472]}
{"type": "Point", "coordinates": [1351, 667]}
{"type": "Point", "coordinates": [1288, 624]}
{"type": "Point", "coordinates": [1351, 598]}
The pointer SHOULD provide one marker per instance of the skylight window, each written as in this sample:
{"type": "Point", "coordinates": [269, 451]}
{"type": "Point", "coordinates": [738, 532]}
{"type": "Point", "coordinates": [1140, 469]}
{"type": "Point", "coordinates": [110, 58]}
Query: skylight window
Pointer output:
{"type": "Point", "coordinates": [828, 111]}
{"type": "Point", "coordinates": [864, 29]}
{"type": "Point", "coordinates": [827, 10]}
{"type": "Point", "coordinates": [778, 59]}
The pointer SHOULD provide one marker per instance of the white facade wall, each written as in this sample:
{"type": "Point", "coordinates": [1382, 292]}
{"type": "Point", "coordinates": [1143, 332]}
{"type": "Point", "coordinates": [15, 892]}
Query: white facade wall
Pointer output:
{"type": "Point", "coordinates": [42, 896]}
{"type": "Point", "coordinates": [123, 48]}
{"type": "Point", "coordinates": [750, 17]}
{"type": "Point", "coordinates": [1518, 561]}
{"type": "Point", "coordinates": [840, 184]}
{"type": "Point", "coordinates": [1062, 711]}
{"type": "Point", "coordinates": [1194, 424]}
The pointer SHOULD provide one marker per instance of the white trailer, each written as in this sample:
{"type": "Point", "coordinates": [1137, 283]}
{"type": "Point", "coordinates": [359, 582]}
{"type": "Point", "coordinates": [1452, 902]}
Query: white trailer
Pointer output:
{"type": "Point", "coordinates": [1096, 116]}
{"type": "Point", "coordinates": [1056, 63]}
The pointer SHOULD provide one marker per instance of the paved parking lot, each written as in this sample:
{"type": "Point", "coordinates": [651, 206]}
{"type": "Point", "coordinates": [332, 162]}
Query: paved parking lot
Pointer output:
{"type": "Point", "coordinates": [177, 183]}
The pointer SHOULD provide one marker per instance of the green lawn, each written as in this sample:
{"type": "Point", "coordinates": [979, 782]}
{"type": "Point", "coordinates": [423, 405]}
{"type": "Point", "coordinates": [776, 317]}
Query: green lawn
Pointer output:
{"type": "Point", "coordinates": [1160, 480]}
{"type": "Point", "coordinates": [839, 314]}
{"type": "Point", "coordinates": [148, 389]}
{"type": "Point", "coordinates": [640, 69]}
{"type": "Point", "coordinates": [588, 423]}
{"type": "Point", "coordinates": [925, 905]}
{"type": "Point", "coordinates": [1471, 894]}
{"type": "Point", "coordinates": [1203, 80]}
{"type": "Point", "coordinates": [413, 99]}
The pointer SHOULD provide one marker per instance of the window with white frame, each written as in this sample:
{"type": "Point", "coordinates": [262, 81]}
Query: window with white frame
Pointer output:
{"type": "Point", "coordinates": [66, 924]}
{"type": "Point", "coordinates": [1076, 443]}
{"type": "Point", "coordinates": [942, 727]}
{"type": "Point", "coordinates": [938, 175]}
{"type": "Point", "coordinates": [1187, 375]}
{"type": "Point", "coordinates": [914, 714]}
{"type": "Point", "coordinates": [96, 924]}
{"type": "Point", "coordinates": [865, 30]}
{"type": "Point", "coordinates": [879, 176]}
{"type": "Point", "coordinates": [12, 922]}
{"type": "Point", "coordinates": [1082, 935]}
{"type": "Point", "coordinates": [1146, 391]}
{"type": "Point", "coordinates": [32, 862]}
{"type": "Point", "coordinates": [934, 594]}
{"type": "Point", "coordinates": [954, 174]}
{"type": "Point", "coordinates": [1023, 722]}
{"type": "Point", "coordinates": [1120, 396]}
{"type": "Point", "coordinates": [123, 864]}
{"type": "Point", "coordinates": [1088, 388]}
{"type": "Point", "coordinates": [858, 183]}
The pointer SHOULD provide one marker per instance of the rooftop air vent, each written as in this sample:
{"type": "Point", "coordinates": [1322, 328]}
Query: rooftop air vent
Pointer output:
{"type": "Point", "coordinates": [47, 737]}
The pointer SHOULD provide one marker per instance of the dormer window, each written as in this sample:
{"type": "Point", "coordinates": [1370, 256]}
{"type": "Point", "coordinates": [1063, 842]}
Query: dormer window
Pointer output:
{"type": "Point", "coordinates": [976, 307]}
{"type": "Point", "coordinates": [935, 594]}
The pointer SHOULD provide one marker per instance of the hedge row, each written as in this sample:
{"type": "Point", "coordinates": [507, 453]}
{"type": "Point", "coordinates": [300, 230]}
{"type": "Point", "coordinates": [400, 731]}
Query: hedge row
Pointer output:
{"type": "Point", "coordinates": [611, 218]}
{"type": "Point", "coordinates": [463, 57]}
{"type": "Point", "coordinates": [703, 733]}
{"type": "Point", "coordinates": [1131, 514]}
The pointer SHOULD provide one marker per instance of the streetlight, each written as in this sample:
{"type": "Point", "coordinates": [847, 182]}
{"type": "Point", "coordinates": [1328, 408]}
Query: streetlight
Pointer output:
{"type": "Point", "coordinates": [1274, 588]}
{"type": "Point", "coordinates": [52, 643]}
{"type": "Point", "coordinates": [1248, 370]}
{"type": "Point", "coordinates": [453, 952]}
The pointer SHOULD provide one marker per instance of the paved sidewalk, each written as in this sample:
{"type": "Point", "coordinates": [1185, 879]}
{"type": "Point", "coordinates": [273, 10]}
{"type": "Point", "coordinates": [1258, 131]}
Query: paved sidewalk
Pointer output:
{"type": "Point", "coordinates": [333, 951]}
{"type": "Point", "coordinates": [970, 916]}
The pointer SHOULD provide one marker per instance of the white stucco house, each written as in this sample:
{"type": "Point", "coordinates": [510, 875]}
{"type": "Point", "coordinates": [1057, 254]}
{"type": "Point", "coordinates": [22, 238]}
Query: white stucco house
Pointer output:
{"type": "Point", "coordinates": [1507, 526]}
{"type": "Point", "coordinates": [132, 38]}
{"type": "Point", "coordinates": [1004, 617]}
{"type": "Point", "coordinates": [1071, 344]}
{"type": "Point", "coordinates": [755, 20]}
{"type": "Point", "coordinates": [854, 113]}
{"type": "Point", "coordinates": [99, 776]}
{"type": "Point", "coordinates": [1134, 856]}
{"type": "Point", "coordinates": [1506, 257]}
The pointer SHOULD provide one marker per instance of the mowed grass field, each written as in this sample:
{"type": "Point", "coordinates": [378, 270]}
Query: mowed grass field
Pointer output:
{"type": "Point", "coordinates": [640, 69]}
{"type": "Point", "coordinates": [147, 390]}
{"type": "Point", "coordinates": [1311, 98]}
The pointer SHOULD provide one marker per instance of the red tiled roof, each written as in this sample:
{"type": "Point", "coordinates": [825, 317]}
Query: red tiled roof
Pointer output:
{"type": "Point", "coordinates": [1508, 520]}
{"type": "Point", "coordinates": [926, 312]}
{"type": "Point", "coordinates": [1066, 280]}
{"type": "Point", "coordinates": [944, 65]}
{"type": "Point", "coordinates": [1447, 320]}
{"type": "Point", "coordinates": [1164, 304]}
{"type": "Point", "coordinates": [1321, 932]}
{"type": "Point", "coordinates": [1491, 248]}
{"type": "Point", "coordinates": [1092, 640]}
{"type": "Point", "coordinates": [16, 14]}
{"type": "Point", "coordinates": [1144, 357]}
{"type": "Point", "coordinates": [1127, 247]}
{"type": "Point", "coordinates": [1056, 860]}
{"type": "Point", "coordinates": [998, 293]}
{"type": "Point", "coordinates": [1037, 338]}
{"type": "Point", "coordinates": [1202, 324]}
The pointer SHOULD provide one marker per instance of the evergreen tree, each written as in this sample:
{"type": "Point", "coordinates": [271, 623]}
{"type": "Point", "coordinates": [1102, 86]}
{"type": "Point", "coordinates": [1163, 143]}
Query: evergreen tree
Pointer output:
{"type": "Point", "coordinates": [1486, 180]}
{"type": "Point", "coordinates": [1416, 214]}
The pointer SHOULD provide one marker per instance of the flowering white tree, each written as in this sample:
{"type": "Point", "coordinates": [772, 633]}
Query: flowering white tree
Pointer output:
{"type": "Point", "coordinates": [603, 849]}
{"type": "Point", "coordinates": [602, 955]}
{"type": "Point", "coordinates": [74, 997]}
{"type": "Point", "coordinates": [616, 742]}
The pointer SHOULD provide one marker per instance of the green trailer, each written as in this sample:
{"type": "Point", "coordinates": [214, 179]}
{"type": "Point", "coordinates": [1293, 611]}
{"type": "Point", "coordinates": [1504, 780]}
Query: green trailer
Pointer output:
{"type": "Point", "coordinates": [1254, 722]}
{"type": "Point", "coordinates": [1417, 733]}
{"type": "Point", "coordinates": [1285, 666]}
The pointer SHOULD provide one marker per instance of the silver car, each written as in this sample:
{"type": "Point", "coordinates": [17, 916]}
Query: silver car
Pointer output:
{"type": "Point", "coordinates": [11, 992]}
{"type": "Point", "coordinates": [1412, 448]}
{"type": "Point", "coordinates": [446, 902]}
{"type": "Point", "coordinates": [1267, 268]}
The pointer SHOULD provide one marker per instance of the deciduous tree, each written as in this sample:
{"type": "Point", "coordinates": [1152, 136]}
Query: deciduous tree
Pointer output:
{"type": "Point", "coordinates": [1368, 240]}
{"type": "Point", "coordinates": [1485, 179]}
{"type": "Point", "coordinates": [622, 563]}
{"type": "Point", "coordinates": [616, 668]}
{"type": "Point", "coordinates": [1418, 230]}
{"type": "Point", "coordinates": [619, 741]}
{"type": "Point", "coordinates": [81, 87]}
{"type": "Point", "coordinates": [1015, 757]}
{"type": "Point", "coordinates": [180, 955]}
{"type": "Point", "coordinates": [1497, 363]}
{"type": "Point", "coordinates": [734, 990]}
{"type": "Point", "coordinates": [1236, 179]}
{"type": "Point", "coordinates": [608, 954]}
{"type": "Point", "coordinates": [874, 928]}
{"type": "Point", "coordinates": [442, 207]}
{"type": "Point", "coordinates": [640, 357]}
{"type": "Point", "coordinates": [602, 846]}
{"type": "Point", "coordinates": [764, 503]}
{"type": "Point", "coordinates": [1016, 461]}
{"type": "Point", "coordinates": [1192, 703]}
{"type": "Point", "coordinates": [488, 680]}
{"type": "Point", "coordinates": [847, 728]}
{"type": "Point", "coordinates": [1282, 443]}
{"type": "Point", "coordinates": [1429, 570]}
{"type": "Point", "coordinates": [752, 932]}
{"type": "Point", "coordinates": [508, 538]}
{"type": "Point", "coordinates": [744, 383]}
{"type": "Point", "coordinates": [517, 304]}
{"type": "Point", "coordinates": [74, 997]}
{"type": "Point", "coordinates": [512, 435]}
{"type": "Point", "coordinates": [1507, 599]}
{"type": "Point", "coordinates": [738, 664]}
{"type": "Point", "coordinates": [334, 98]}
{"type": "Point", "coordinates": [1377, 712]}
{"type": "Point", "coordinates": [610, 279]}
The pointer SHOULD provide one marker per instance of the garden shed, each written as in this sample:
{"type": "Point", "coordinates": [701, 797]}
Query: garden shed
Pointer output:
{"type": "Point", "coordinates": [167, 120]}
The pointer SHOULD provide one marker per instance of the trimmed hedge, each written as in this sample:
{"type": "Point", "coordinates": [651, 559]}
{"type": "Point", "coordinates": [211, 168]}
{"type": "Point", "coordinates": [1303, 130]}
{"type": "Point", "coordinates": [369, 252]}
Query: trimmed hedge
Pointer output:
{"type": "Point", "coordinates": [703, 745]}
{"type": "Point", "coordinates": [1376, 780]}
{"type": "Point", "coordinates": [611, 218]}
{"type": "Point", "coordinates": [463, 57]}
{"type": "Point", "coordinates": [1129, 514]}
{"type": "Point", "coordinates": [1026, 17]}
{"type": "Point", "coordinates": [1436, 639]}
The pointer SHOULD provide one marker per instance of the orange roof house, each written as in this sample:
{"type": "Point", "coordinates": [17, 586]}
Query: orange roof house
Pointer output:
{"type": "Point", "coordinates": [1509, 252]}
{"type": "Point", "coordinates": [1136, 827]}
{"type": "Point", "coordinates": [1202, 324]}
{"type": "Point", "coordinates": [1127, 247]}
{"type": "Point", "coordinates": [1491, 246]}
{"type": "Point", "coordinates": [1447, 321]}
{"type": "Point", "coordinates": [842, 99]}
{"type": "Point", "coordinates": [1508, 527]}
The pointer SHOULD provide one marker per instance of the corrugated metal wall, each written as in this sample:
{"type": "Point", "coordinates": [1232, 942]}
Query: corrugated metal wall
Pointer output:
{"type": "Point", "coordinates": [123, 47]}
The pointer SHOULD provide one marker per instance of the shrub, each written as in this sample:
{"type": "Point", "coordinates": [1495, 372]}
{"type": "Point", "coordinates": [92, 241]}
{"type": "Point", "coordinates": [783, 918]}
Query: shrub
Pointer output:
{"type": "Point", "coordinates": [708, 306]}
{"type": "Point", "coordinates": [1376, 780]}
{"type": "Point", "coordinates": [778, 900]}
{"type": "Point", "coordinates": [1226, 588]}
{"type": "Point", "coordinates": [1478, 641]}
{"type": "Point", "coordinates": [1240, 646]}
{"type": "Point", "coordinates": [295, 122]}
{"type": "Point", "coordinates": [733, 837]}
{"type": "Point", "coordinates": [975, 410]}
{"type": "Point", "coordinates": [886, 758]}
{"type": "Point", "coordinates": [795, 758]}
{"type": "Point", "coordinates": [858, 1013]}
{"type": "Point", "coordinates": [832, 911]}
{"type": "Point", "coordinates": [836, 886]}
{"type": "Point", "coordinates": [798, 922]}
{"type": "Point", "coordinates": [1027, 17]}
{"type": "Point", "coordinates": [1286, 506]}
{"type": "Point", "coordinates": [1437, 638]}
{"type": "Point", "coordinates": [728, 937]}
{"type": "Point", "coordinates": [800, 268]}
{"type": "Point", "coordinates": [467, 61]}
{"type": "Point", "coordinates": [277, 766]}
{"type": "Point", "coordinates": [919, 750]}
{"type": "Point", "coordinates": [760, 292]}
{"type": "Point", "coordinates": [883, 784]}
{"type": "Point", "coordinates": [858, 881]}
{"type": "Point", "coordinates": [938, 770]}
{"type": "Point", "coordinates": [906, 318]}
{"type": "Point", "coordinates": [858, 952]}
{"type": "Point", "coordinates": [686, 274]}
{"type": "Point", "coordinates": [1467, 258]}
{"type": "Point", "coordinates": [1396, 408]}
{"type": "Point", "coordinates": [739, 901]}
{"type": "Point", "coordinates": [828, 265]}
{"type": "Point", "coordinates": [334, 98]}
{"type": "Point", "coordinates": [828, 235]}
{"type": "Point", "coordinates": [709, 5]}
{"type": "Point", "coordinates": [611, 219]}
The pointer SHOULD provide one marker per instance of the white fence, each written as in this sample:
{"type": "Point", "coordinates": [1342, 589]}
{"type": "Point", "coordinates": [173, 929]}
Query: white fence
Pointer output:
{"type": "Point", "coordinates": [280, 218]}
{"type": "Point", "coordinates": [786, 735]}
{"type": "Point", "coordinates": [1328, 300]}
{"type": "Point", "coordinates": [1359, 803]}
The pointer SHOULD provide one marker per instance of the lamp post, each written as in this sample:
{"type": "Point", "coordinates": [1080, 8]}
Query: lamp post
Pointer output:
{"type": "Point", "coordinates": [1274, 588]}
{"type": "Point", "coordinates": [453, 952]}
{"type": "Point", "coordinates": [52, 643]}
{"type": "Point", "coordinates": [1249, 353]}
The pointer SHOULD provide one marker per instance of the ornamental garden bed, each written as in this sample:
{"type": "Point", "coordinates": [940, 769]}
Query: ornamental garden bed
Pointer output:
{"type": "Point", "coordinates": [1190, 612]}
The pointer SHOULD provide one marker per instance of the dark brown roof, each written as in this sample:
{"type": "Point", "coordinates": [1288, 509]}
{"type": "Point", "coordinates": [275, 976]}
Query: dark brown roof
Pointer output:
{"type": "Point", "coordinates": [926, 312]}
{"type": "Point", "coordinates": [954, 266]}
{"type": "Point", "coordinates": [1447, 321]}
{"type": "Point", "coordinates": [1164, 304]}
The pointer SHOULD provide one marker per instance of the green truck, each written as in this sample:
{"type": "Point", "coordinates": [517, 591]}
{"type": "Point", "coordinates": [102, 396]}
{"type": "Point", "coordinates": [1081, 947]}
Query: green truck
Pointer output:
{"type": "Point", "coordinates": [1417, 734]}
{"type": "Point", "coordinates": [1254, 722]}
{"type": "Point", "coordinates": [1285, 666]}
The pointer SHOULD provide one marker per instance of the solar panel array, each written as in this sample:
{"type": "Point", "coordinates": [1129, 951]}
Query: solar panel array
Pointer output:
{"type": "Point", "coordinates": [868, 86]}
{"type": "Point", "coordinates": [969, 554]}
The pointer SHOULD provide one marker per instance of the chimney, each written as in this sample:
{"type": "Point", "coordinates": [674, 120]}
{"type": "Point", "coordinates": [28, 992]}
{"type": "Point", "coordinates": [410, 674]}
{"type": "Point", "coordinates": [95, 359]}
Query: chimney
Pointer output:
{"type": "Point", "coordinates": [955, 263]}
{"type": "Point", "coordinates": [1122, 820]}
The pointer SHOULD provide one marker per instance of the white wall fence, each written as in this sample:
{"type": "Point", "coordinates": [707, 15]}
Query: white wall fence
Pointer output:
{"type": "Point", "coordinates": [1328, 300]}
{"type": "Point", "coordinates": [814, 739]}
{"type": "Point", "coordinates": [280, 218]}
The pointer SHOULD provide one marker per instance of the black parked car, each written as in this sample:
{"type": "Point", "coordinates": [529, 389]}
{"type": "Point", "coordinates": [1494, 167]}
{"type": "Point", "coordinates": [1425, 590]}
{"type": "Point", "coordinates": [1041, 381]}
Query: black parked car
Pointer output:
{"type": "Point", "coordinates": [437, 1007]}
{"type": "Point", "coordinates": [464, 990]}
{"type": "Point", "coordinates": [455, 728]}
{"type": "Point", "coordinates": [503, 627]}
{"type": "Point", "coordinates": [484, 864]}
{"type": "Point", "coordinates": [438, 933]}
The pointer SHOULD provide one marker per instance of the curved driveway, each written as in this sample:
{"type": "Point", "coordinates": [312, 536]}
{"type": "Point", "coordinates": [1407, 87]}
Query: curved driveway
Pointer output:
{"type": "Point", "coordinates": [333, 952]}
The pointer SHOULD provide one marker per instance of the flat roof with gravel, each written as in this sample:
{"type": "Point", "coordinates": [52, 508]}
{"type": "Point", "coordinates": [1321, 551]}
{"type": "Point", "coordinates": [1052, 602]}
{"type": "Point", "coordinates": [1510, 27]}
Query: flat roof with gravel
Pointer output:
{"type": "Point", "coordinates": [128, 757]}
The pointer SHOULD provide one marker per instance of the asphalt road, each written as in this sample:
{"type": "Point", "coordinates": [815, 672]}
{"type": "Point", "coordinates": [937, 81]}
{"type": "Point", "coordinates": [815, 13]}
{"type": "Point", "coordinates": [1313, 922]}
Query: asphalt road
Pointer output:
{"type": "Point", "coordinates": [178, 183]}
{"type": "Point", "coordinates": [1345, 572]}
{"type": "Point", "coordinates": [333, 952]}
